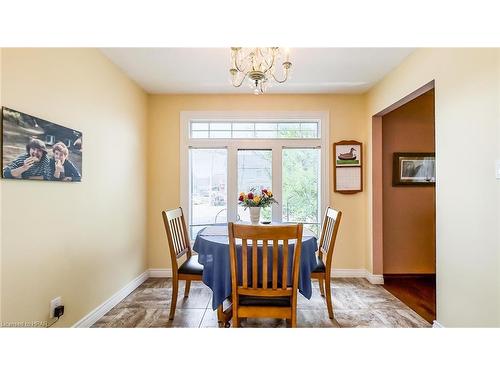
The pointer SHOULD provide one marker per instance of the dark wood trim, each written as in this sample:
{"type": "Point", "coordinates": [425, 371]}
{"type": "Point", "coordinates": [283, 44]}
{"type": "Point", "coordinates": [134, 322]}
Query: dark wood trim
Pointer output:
{"type": "Point", "coordinates": [360, 166]}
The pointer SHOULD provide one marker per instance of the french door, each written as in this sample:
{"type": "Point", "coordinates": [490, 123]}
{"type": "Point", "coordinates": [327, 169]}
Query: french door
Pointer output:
{"type": "Point", "coordinates": [219, 168]}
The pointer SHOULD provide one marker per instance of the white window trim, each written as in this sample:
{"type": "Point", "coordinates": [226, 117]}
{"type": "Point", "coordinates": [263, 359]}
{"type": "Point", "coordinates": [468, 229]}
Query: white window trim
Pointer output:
{"type": "Point", "coordinates": [233, 144]}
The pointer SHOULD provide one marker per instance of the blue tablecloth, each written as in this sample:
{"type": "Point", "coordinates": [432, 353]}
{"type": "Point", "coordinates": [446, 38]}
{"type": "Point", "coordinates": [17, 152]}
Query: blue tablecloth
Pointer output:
{"type": "Point", "coordinates": [212, 246]}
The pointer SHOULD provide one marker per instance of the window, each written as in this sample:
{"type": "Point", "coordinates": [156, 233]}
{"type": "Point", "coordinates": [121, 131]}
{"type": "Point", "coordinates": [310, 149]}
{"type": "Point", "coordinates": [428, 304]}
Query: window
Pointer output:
{"type": "Point", "coordinates": [50, 139]}
{"type": "Point", "coordinates": [248, 130]}
{"type": "Point", "coordinates": [301, 182]}
{"type": "Point", "coordinates": [225, 153]}
{"type": "Point", "coordinates": [208, 203]}
{"type": "Point", "coordinates": [254, 171]}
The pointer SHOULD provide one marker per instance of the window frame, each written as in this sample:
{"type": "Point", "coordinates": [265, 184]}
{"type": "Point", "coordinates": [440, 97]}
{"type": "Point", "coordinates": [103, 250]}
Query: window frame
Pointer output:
{"type": "Point", "coordinates": [255, 128]}
{"type": "Point", "coordinates": [233, 144]}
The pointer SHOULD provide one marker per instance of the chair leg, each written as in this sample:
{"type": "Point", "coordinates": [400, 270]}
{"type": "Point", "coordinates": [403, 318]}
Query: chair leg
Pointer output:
{"type": "Point", "coordinates": [235, 322]}
{"type": "Point", "coordinates": [294, 319]}
{"type": "Point", "coordinates": [175, 288]}
{"type": "Point", "coordinates": [186, 289]}
{"type": "Point", "coordinates": [329, 297]}
{"type": "Point", "coordinates": [321, 287]}
{"type": "Point", "coordinates": [220, 316]}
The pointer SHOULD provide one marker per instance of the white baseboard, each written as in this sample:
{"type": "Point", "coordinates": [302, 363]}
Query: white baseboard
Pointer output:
{"type": "Point", "coordinates": [358, 272]}
{"type": "Point", "coordinates": [436, 324]}
{"type": "Point", "coordinates": [103, 309]}
{"type": "Point", "coordinates": [346, 272]}
{"type": "Point", "coordinates": [160, 272]}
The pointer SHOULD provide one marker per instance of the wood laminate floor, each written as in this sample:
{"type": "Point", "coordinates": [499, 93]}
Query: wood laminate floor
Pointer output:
{"type": "Point", "coordinates": [356, 303]}
{"type": "Point", "coordinates": [418, 292]}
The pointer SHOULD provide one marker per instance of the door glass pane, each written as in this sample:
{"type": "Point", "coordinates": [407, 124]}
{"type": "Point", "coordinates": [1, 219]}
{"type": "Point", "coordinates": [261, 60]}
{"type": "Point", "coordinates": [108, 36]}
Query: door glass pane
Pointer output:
{"type": "Point", "coordinates": [301, 187]}
{"type": "Point", "coordinates": [208, 188]}
{"type": "Point", "coordinates": [254, 171]}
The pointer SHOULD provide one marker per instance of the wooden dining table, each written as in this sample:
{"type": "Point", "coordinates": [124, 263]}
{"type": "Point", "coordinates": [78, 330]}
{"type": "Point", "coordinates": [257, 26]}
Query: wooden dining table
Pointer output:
{"type": "Point", "coordinates": [212, 246]}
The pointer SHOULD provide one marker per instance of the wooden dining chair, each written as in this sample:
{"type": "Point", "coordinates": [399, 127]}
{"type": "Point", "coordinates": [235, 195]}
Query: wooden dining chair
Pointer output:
{"type": "Point", "coordinates": [323, 270]}
{"type": "Point", "coordinates": [260, 293]}
{"type": "Point", "coordinates": [178, 242]}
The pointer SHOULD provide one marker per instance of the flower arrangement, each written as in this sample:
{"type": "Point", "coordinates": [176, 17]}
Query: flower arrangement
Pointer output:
{"type": "Point", "coordinates": [253, 199]}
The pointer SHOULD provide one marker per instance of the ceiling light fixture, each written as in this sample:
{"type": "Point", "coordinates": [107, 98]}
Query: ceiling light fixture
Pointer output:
{"type": "Point", "coordinates": [259, 65]}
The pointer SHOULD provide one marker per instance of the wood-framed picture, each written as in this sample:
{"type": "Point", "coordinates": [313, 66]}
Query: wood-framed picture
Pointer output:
{"type": "Point", "coordinates": [348, 168]}
{"type": "Point", "coordinates": [414, 169]}
{"type": "Point", "coordinates": [348, 154]}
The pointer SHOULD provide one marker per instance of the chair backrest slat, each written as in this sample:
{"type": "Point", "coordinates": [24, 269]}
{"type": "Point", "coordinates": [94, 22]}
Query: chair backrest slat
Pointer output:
{"type": "Point", "coordinates": [264, 264]}
{"type": "Point", "coordinates": [254, 264]}
{"type": "Point", "coordinates": [244, 263]}
{"type": "Point", "coordinates": [328, 235]}
{"type": "Point", "coordinates": [182, 239]}
{"type": "Point", "coordinates": [259, 237]}
{"type": "Point", "coordinates": [177, 235]}
{"type": "Point", "coordinates": [331, 224]}
{"type": "Point", "coordinates": [275, 264]}
{"type": "Point", "coordinates": [284, 279]}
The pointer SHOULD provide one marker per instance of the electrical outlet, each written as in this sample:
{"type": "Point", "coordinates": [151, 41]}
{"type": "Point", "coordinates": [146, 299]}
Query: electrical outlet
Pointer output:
{"type": "Point", "coordinates": [53, 304]}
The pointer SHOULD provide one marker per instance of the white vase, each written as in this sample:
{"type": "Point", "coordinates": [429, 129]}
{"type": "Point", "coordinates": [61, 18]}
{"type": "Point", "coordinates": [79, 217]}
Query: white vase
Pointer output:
{"type": "Point", "coordinates": [255, 215]}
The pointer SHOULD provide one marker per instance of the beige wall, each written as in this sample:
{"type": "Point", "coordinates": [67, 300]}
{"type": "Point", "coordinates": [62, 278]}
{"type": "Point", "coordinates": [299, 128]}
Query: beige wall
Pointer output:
{"type": "Point", "coordinates": [1, 51]}
{"type": "Point", "coordinates": [346, 122]}
{"type": "Point", "coordinates": [467, 93]}
{"type": "Point", "coordinates": [81, 241]}
{"type": "Point", "coordinates": [409, 214]}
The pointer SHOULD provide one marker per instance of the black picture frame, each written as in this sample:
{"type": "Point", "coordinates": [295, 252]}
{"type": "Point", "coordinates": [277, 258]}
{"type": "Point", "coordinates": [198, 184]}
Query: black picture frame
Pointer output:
{"type": "Point", "coordinates": [414, 169]}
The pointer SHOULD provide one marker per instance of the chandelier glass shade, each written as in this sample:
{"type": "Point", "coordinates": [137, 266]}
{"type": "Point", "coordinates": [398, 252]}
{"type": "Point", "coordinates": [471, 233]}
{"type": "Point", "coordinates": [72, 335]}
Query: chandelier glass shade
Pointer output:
{"type": "Point", "coordinates": [258, 65]}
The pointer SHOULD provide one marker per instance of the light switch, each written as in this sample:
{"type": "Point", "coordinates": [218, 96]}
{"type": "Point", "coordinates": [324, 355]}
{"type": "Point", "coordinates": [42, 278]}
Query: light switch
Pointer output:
{"type": "Point", "coordinates": [498, 169]}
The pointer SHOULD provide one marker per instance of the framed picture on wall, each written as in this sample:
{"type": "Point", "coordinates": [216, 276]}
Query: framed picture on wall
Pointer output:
{"type": "Point", "coordinates": [36, 149]}
{"type": "Point", "coordinates": [348, 154]}
{"type": "Point", "coordinates": [348, 169]}
{"type": "Point", "coordinates": [414, 168]}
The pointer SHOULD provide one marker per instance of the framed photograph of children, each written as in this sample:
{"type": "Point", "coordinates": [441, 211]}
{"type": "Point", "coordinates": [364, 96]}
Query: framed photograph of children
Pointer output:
{"type": "Point", "coordinates": [348, 154]}
{"type": "Point", "coordinates": [414, 168]}
{"type": "Point", "coordinates": [37, 149]}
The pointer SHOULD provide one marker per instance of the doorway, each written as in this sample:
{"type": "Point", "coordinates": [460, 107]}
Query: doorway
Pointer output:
{"type": "Point", "coordinates": [407, 209]}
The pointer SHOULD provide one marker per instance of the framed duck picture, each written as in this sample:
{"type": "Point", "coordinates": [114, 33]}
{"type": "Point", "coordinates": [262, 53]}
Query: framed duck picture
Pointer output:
{"type": "Point", "coordinates": [348, 154]}
{"type": "Point", "coordinates": [348, 169]}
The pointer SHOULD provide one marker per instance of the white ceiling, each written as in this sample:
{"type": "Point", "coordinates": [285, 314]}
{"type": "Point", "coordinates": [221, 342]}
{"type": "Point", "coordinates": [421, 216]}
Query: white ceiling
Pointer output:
{"type": "Point", "coordinates": [206, 70]}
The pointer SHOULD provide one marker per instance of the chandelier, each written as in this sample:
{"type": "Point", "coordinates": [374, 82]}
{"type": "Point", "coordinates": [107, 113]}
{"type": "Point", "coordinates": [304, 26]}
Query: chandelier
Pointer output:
{"type": "Point", "coordinates": [259, 66]}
